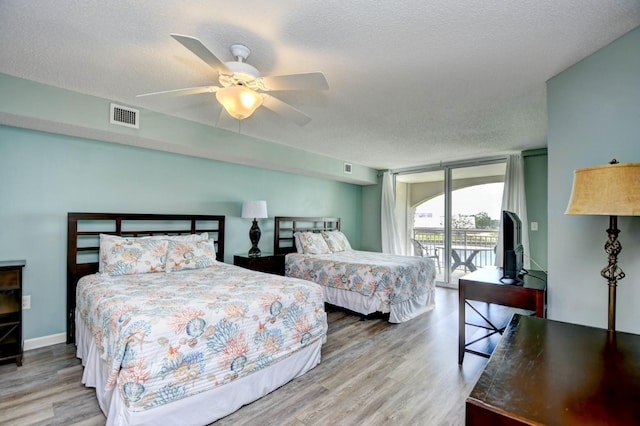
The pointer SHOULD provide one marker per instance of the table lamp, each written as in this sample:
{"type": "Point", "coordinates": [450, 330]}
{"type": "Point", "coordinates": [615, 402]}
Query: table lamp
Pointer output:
{"type": "Point", "coordinates": [255, 210]}
{"type": "Point", "coordinates": [611, 190]}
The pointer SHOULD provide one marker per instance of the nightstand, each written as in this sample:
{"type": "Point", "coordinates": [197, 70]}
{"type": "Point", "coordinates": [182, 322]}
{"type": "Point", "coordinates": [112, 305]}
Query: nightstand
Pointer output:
{"type": "Point", "coordinates": [11, 310]}
{"type": "Point", "coordinates": [267, 262]}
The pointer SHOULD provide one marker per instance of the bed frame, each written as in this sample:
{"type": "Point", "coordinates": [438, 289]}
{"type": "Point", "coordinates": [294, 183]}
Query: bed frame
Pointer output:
{"type": "Point", "coordinates": [83, 241]}
{"type": "Point", "coordinates": [286, 226]}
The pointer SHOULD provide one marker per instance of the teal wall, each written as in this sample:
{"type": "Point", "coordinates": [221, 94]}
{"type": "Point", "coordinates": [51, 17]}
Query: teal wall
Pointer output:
{"type": "Point", "coordinates": [371, 217]}
{"type": "Point", "coordinates": [535, 181]}
{"type": "Point", "coordinates": [594, 116]}
{"type": "Point", "coordinates": [32, 105]}
{"type": "Point", "coordinates": [43, 176]}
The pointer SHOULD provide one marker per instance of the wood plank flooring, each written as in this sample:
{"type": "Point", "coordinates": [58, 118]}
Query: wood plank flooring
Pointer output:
{"type": "Point", "coordinates": [372, 373]}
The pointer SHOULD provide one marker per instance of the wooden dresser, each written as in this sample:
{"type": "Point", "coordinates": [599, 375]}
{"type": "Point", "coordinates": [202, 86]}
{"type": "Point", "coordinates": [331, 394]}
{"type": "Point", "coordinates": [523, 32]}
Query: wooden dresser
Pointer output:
{"type": "Point", "coordinates": [547, 372]}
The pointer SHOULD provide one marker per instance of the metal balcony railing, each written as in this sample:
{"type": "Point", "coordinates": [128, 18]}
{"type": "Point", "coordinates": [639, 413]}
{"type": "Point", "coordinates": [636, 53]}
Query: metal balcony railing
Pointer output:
{"type": "Point", "coordinates": [464, 241]}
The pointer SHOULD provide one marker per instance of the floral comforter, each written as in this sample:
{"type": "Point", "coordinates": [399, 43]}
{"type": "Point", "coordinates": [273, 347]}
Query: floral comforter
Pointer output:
{"type": "Point", "coordinates": [165, 336]}
{"type": "Point", "coordinates": [393, 278]}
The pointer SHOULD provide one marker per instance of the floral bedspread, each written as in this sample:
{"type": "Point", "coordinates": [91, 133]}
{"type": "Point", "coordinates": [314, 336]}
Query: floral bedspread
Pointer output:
{"type": "Point", "coordinates": [393, 278]}
{"type": "Point", "coordinates": [165, 336]}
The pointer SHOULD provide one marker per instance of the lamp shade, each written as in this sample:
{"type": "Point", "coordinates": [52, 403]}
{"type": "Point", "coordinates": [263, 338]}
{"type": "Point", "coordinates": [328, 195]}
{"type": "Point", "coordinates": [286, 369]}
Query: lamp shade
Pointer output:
{"type": "Point", "coordinates": [254, 209]}
{"type": "Point", "coordinates": [611, 189]}
{"type": "Point", "coordinates": [239, 101]}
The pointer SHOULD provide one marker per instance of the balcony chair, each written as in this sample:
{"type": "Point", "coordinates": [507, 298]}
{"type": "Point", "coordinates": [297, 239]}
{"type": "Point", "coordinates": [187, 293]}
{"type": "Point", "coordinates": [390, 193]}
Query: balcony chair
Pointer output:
{"type": "Point", "coordinates": [422, 251]}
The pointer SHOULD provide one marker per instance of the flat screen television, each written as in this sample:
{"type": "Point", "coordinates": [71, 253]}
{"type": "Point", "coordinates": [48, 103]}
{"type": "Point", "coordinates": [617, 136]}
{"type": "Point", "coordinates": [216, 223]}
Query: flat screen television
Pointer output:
{"type": "Point", "coordinates": [512, 252]}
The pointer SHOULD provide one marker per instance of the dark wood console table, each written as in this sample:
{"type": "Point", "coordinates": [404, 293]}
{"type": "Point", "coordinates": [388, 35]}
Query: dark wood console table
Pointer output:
{"type": "Point", "coordinates": [486, 285]}
{"type": "Point", "coordinates": [547, 372]}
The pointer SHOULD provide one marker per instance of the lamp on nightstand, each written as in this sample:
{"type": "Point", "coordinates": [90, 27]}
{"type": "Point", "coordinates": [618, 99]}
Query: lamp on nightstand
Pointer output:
{"type": "Point", "coordinates": [255, 210]}
{"type": "Point", "coordinates": [611, 190]}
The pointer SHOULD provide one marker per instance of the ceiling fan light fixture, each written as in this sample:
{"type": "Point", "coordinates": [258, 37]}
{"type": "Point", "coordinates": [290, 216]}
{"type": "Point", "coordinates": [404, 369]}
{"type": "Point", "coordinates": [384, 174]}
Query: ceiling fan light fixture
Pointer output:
{"type": "Point", "coordinates": [239, 101]}
{"type": "Point", "coordinates": [241, 87]}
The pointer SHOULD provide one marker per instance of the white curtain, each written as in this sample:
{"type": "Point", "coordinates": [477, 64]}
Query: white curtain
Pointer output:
{"type": "Point", "coordinates": [389, 224]}
{"type": "Point", "coordinates": [514, 200]}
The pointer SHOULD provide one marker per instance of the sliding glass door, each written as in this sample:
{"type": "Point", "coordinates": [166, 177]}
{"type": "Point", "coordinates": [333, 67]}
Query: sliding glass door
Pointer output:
{"type": "Point", "coordinates": [453, 215]}
{"type": "Point", "coordinates": [426, 219]}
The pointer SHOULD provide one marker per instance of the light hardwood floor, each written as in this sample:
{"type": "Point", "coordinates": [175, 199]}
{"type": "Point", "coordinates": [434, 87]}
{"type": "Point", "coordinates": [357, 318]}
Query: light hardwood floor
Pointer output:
{"type": "Point", "coordinates": [372, 372]}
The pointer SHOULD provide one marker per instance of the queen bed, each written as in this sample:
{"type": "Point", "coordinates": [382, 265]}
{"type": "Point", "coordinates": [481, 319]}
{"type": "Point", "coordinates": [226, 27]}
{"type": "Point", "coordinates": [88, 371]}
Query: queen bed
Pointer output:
{"type": "Point", "coordinates": [363, 282]}
{"type": "Point", "coordinates": [168, 333]}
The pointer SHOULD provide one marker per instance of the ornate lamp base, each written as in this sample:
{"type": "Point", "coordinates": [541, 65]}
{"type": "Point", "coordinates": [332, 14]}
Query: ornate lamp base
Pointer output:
{"type": "Point", "coordinates": [612, 273]}
{"type": "Point", "coordinates": [254, 236]}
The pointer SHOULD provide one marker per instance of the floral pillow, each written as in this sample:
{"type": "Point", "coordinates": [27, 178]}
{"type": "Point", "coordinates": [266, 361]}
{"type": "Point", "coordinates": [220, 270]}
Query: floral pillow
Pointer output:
{"type": "Point", "coordinates": [336, 241]}
{"type": "Point", "coordinates": [106, 239]}
{"type": "Point", "coordinates": [190, 255]}
{"type": "Point", "coordinates": [298, 244]}
{"type": "Point", "coordinates": [186, 237]}
{"type": "Point", "coordinates": [312, 243]}
{"type": "Point", "coordinates": [124, 256]}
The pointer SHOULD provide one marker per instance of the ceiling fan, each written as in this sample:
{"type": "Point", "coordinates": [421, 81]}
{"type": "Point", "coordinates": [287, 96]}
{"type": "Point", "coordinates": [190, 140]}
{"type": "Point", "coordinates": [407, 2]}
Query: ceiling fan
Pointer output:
{"type": "Point", "coordinates": [242, 89]}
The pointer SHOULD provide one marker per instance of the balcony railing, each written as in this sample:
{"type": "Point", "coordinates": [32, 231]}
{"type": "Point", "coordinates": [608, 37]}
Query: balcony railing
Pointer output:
{"type": "Point", "coordinates": [464, 241]}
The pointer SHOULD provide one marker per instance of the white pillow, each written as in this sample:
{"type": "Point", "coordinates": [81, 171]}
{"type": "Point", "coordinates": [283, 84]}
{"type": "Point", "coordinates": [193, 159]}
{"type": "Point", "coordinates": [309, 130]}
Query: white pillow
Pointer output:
{"type": "Point", "coordinates": [336, 241]}
{"type": "Point", "coordinates": [313, 243]}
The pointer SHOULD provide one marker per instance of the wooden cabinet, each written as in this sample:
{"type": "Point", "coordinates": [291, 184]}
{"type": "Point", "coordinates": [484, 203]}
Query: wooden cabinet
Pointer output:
{"type": "Point", "coordinates": [11, 310]}
{"type": "Point", "coordinates": [270, 263]}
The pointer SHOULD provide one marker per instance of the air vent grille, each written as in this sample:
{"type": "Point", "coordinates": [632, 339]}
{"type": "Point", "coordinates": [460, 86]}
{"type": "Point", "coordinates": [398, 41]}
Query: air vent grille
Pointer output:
{"type": "Point", "coordinates": [348, 167]}
{"type": "Point", "coordinates": [125, 116]}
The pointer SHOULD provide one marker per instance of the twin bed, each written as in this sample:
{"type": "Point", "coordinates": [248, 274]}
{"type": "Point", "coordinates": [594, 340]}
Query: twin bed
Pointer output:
{"type": "Point", "coordinates": [167, 333]}
{"type": "Point", "coordinates": [363, 282]}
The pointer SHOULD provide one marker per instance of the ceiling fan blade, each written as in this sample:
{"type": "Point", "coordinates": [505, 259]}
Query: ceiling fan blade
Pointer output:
{"type": "Point", "coordinates": [183, 92]}
{"type": "Point", "coordinates": [201, 51]}
{"type": "Point", "coordinates": [304, 81]}
{"type": "Point", "coordinates": [285, 110]}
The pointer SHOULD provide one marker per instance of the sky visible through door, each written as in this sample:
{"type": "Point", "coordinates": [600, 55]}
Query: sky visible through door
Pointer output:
{"type": "Point", "coordinates": [467, 202]}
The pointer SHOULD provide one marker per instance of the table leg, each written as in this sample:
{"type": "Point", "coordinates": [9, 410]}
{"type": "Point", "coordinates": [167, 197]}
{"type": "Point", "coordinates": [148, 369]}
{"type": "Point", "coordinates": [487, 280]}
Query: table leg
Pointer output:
{"type": "Point", "coordinates": [469, 261]}
{"type": "Point", "coordinates": [456, 260]}
{"type": "Point", "coordinates": [540, 305]}
{"type": "Point", "coordinates": [461, 323]}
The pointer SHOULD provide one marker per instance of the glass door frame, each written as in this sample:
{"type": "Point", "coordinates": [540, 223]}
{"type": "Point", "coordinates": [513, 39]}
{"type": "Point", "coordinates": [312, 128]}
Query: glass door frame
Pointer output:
{"type": "Point", "coordinates": [448, 168]}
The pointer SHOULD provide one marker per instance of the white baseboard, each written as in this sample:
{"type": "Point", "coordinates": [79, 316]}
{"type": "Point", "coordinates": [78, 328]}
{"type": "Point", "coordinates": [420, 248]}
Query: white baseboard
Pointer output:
{"type": "Point", "coordinates": [41, 342]}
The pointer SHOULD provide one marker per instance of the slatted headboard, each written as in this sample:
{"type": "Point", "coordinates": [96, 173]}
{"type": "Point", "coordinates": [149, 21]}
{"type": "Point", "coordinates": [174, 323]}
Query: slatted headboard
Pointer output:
{"type": "Point", "coordinates": [285, 227]}
{"type": "Point", "coordinates": [83, 241]}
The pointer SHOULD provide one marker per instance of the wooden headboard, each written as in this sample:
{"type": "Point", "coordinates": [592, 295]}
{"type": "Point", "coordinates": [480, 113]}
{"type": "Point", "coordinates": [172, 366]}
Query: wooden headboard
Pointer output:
{"type": "Point", "coordinates": [83, 241]}
{"type": "Point", "coordinates": [285, 227]}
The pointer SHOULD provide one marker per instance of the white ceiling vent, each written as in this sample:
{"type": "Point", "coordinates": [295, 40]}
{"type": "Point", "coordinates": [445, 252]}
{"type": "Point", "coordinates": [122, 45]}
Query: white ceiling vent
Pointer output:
{"type": "Point", "coordinates": [125, 116]}
{"type": "Point", "coordinates": [348, 167]}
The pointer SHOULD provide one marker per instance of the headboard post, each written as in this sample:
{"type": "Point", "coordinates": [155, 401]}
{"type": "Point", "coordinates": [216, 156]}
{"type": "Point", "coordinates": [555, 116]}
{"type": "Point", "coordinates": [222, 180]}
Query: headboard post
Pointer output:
{"type": "Point", "coordinates": [125, 224]}
{"type": "Point", "coordinates": [72, 248]}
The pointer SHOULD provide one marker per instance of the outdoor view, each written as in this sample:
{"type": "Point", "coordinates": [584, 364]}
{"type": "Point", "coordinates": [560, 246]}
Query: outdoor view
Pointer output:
{"type": "Point", "coordinates": [476, 212]}
{"type": "Point", "coordinates": [474, 207]}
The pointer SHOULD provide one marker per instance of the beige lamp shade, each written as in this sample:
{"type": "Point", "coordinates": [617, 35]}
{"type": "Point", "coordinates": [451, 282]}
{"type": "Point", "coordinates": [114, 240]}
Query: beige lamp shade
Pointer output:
{"type": "Point", "coordinates": [239, 101]}
{"type": "Point", "coordinates": [611, 189]}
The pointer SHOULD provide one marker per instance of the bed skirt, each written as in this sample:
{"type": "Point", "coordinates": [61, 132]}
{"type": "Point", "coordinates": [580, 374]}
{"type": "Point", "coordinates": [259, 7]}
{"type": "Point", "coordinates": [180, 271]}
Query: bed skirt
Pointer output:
{"type": "Point", "coordinates": [366, 305]}
{"type": "Point", "coordinates": [203, 408]}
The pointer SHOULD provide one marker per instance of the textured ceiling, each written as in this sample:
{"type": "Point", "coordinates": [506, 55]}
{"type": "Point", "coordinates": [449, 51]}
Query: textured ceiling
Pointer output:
{"type": "Point", "coordinates": [412, 82]}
